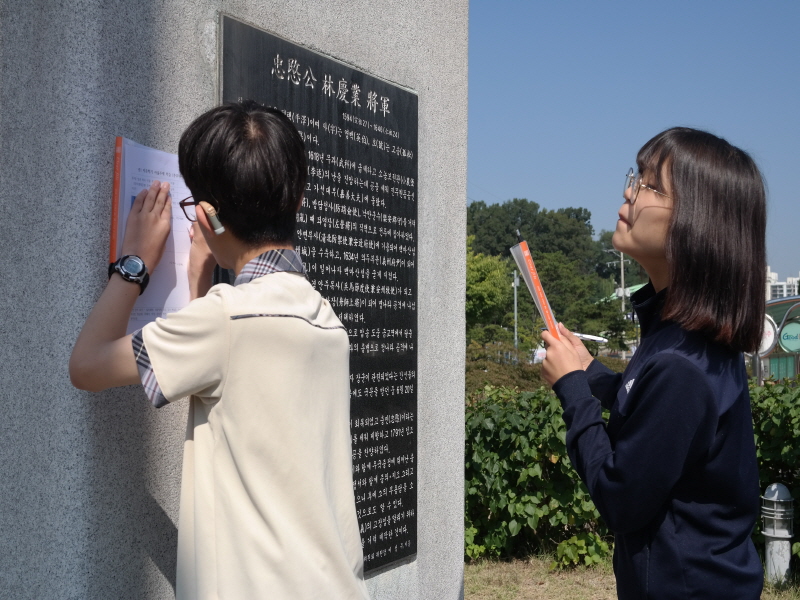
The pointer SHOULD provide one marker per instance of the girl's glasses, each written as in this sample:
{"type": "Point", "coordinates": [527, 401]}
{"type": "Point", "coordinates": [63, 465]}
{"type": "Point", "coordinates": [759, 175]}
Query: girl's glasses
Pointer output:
{"type": "Point", "coordinates": [633, 181]}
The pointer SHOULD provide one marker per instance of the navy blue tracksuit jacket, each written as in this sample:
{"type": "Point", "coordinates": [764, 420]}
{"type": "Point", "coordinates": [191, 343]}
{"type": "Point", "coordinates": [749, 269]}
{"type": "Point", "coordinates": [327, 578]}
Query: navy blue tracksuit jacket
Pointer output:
{"type": "Point", "coordinates": [673, 472]}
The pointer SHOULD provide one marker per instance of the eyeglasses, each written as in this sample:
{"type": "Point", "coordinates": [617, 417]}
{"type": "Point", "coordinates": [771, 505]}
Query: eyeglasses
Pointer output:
{"type": "Point", "coordinates": [633, 181]}
{"type": "Point", "coordinates": [188, 206]}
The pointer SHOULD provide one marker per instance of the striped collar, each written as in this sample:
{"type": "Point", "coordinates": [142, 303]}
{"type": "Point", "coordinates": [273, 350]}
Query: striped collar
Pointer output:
{"type": "Point", "coordinates": [271, 261]}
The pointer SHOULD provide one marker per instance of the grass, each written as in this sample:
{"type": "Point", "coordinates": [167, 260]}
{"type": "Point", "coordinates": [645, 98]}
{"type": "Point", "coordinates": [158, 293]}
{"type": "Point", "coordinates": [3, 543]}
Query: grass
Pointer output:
{"type": "Point", "coordinates": [532, 579]}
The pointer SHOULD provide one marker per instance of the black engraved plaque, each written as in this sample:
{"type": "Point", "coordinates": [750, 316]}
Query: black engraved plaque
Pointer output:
{"type": "Point", "coordinates": [357, 234]}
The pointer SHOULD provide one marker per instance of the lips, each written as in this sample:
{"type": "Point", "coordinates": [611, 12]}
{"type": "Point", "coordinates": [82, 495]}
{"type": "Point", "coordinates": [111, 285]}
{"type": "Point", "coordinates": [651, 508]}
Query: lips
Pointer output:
{"type": "Point", "coordinates": [624, 220]}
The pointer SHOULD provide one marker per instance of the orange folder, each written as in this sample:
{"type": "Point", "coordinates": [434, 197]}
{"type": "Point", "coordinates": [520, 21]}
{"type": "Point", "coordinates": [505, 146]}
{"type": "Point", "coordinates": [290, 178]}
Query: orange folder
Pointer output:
{"type": "Point", "coordinates": [522, 256]}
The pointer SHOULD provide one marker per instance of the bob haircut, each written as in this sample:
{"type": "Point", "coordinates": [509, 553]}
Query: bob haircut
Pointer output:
{"type": "Point", "coordinates": [248, 162]}
{"type": "Point", "coordinates": [716, 238]}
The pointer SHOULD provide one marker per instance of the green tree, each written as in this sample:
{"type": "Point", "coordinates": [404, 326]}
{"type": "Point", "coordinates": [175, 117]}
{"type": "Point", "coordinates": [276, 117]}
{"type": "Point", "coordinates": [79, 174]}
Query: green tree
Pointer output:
{"type": "Point", "coordinates": [608, 263]}
{"type": "Point", "coordinates": [569, 290]}
{"type": "Point", "coordinates": [566, 230]}
{"type": "Point", "coordinates": [488, 288]}
{"type": "Point", "coordinates": [490, 305]}
{"type": "Point", "coordinates": [579, 300]}
{"type": "Point", "coordinates": [618, 329]}
{"type": "Point", "coordinates": [494, 226]}
{"type": "Point", "coordinates": [571, 265]}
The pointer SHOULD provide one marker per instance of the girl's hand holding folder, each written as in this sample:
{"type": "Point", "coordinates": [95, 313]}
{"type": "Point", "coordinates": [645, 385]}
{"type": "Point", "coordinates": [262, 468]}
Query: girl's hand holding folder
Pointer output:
{"type": "Point", "coordinates": [564, 355]}
{"type": "Point", "coordinates": [583, 354]}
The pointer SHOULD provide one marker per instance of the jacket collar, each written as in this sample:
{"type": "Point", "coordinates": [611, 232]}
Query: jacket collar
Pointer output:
{"type": "Point", "coordinates": [648, 306]}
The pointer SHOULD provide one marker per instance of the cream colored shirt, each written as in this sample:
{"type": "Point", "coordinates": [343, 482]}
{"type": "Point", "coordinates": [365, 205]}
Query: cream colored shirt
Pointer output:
{"type": "Point", "coordinates": [267, 506]}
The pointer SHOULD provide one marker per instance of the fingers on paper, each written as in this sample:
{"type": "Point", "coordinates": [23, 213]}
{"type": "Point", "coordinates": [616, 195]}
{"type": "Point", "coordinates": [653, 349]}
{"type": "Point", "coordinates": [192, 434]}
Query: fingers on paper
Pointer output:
{"type": "Point", "coordinates": [163, 200]}
{"type": "Point", "coordinates": [150, 196]}
{"type": "Point", "coordinates": [138, 202]}
{"type": "Point", "coordinates": [156, 198]}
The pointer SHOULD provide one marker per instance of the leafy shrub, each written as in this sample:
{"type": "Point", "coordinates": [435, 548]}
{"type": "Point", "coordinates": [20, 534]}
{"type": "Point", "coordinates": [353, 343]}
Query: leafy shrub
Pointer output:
{"type": "Point", "coordinates": [615, 364]}
{"type": "Point", "coordinates": [776, 421]}
{"type": "Point", "coordinates": [498, 364]}
{"type": "Point", "coordinates": [588, 546]}
{"type": "Point", "coordinates": [522, 494]}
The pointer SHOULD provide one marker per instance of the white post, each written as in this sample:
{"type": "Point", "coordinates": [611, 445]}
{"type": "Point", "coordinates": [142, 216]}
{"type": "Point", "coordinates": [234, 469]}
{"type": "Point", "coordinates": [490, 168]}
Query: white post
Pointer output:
{"type": "Point", "coordinates": [777, 513]}
{"type": "Point", "coordinates": [621, 279]}
{"type": "Point", "coordinates": [515, 285]}
{"type": "Point", "coordinates": [622, 283]}
{"type": "Point", "coordinates": [777, 555]}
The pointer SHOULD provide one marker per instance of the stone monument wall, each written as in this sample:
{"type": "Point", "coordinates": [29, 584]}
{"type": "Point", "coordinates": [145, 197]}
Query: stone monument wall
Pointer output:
{"type": "Point", "coordinates": [90, 482]}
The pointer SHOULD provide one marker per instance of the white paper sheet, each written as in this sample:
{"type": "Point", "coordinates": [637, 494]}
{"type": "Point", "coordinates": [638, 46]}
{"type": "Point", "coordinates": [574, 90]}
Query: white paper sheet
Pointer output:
{"type": "Point", "coordinates": [168, 290]}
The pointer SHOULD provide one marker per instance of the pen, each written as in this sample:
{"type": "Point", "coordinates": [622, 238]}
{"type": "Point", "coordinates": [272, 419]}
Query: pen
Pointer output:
{"type": "Point", "coordinates": [590, 338]}
{"type": "Point", "coordinates": [587, 337]}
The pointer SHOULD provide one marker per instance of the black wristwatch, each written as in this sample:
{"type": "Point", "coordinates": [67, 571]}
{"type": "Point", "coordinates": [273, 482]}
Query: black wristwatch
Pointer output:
{"type": "Point", "coordinates": [131, 268]}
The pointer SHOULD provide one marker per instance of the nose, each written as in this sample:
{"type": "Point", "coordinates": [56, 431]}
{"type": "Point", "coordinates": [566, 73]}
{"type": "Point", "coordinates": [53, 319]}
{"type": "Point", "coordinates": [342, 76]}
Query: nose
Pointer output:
{"type": "Point", "coordinates": [628, 194]}
{"type": "Point", "coordinates": [626, 211]}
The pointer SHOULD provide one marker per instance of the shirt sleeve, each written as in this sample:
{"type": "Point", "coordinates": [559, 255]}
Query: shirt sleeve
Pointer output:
{"type": "Point", "coordinates": [669, 421]}
{"type": "Point", "coordinates": [603, 382]}
{"type": "Point", "coordinates": [188, 350]}
{"type": "Point", "coordinates": [146, 374]}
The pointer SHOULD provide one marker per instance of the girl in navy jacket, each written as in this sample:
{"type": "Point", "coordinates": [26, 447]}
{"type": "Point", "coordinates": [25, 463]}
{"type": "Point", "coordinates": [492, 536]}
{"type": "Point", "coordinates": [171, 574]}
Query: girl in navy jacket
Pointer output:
{"type": "Point", "coordinates": [674, 471]}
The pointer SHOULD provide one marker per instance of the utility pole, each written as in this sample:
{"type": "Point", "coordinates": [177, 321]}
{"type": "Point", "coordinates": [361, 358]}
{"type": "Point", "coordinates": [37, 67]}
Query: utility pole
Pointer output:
{"type": "Point", "coordinates": [621, 280]}
{"type": "Point", "coordinates": [622, 262]}
{"type": "Point", "coordinates": [515, 285]}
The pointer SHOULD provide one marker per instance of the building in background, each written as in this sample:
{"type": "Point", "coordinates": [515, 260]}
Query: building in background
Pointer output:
{"type": "Point", "coordinates": [781, 289]}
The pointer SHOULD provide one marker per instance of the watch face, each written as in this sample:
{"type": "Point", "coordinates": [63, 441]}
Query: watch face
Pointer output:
{"type": "Point", "coordinates": [133, 265]}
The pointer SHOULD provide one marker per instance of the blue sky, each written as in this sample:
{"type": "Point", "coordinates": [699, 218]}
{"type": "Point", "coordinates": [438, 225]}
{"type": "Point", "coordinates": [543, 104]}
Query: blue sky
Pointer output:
{"type": "Point", "coordinates": [563, 94]}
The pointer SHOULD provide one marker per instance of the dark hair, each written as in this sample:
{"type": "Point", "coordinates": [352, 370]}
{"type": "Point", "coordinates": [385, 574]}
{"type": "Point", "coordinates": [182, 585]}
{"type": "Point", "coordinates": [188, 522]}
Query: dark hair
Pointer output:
{"type": "Point", "coordinates": [716, 239]}
{"type": "Point", "coordinates": [249, 163]}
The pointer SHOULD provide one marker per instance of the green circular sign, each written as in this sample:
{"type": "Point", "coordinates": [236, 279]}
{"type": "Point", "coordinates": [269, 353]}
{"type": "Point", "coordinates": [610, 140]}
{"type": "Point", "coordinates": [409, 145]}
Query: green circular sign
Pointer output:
{"type": "Point", "coordinates": [789, 338]}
